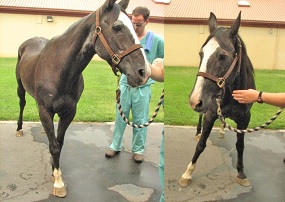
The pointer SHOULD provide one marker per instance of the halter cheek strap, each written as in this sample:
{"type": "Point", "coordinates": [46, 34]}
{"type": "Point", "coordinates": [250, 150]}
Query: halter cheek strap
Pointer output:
{"type": "Point", "coordinates": [221, 81]}
{"type": "Point", "coordinates": [116, 58]}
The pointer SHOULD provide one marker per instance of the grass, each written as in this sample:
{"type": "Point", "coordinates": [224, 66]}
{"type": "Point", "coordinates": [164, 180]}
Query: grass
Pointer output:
{"type": "Point", "coordinates": [180, 81]}
{"type": "Point", "coordinates": [97, 103]}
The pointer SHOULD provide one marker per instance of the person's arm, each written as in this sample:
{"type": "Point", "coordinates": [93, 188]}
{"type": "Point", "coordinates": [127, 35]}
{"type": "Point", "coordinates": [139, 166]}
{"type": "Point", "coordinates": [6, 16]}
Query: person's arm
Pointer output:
{"type": "Point", "coordinates": [157, 70]}
{"type": "Point", "coordinates": [250, 96]}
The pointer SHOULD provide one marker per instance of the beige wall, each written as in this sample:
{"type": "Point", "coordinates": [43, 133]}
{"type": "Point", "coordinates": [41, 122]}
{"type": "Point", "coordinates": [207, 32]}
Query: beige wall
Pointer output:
{"type": "Point", "coordinates": [265, 46]}
{"type": "Point", "coordinates": [16, 28]}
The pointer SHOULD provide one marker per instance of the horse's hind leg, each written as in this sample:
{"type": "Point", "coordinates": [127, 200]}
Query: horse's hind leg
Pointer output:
{"type": "Point", "coordinates": [199, 127]}
{"type": "Point", "coordinates": [21, 94]}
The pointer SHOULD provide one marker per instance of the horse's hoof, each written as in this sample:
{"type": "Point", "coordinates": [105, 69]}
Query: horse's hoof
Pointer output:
{"type": "Point", "coordinates": [184, 182]}
{"type": "Point", "coordinates": [243, 182]}
{"type": "Point", "coordinates": [59, 192]}
{"type": "Point", "coordinates": [19, 133]}
{"type": "Point", "coordinates": [197, 137]}
{"type": "Point", "coordinates": [221, 135]}
{"type": "Point", "coordinates": [284, 160]}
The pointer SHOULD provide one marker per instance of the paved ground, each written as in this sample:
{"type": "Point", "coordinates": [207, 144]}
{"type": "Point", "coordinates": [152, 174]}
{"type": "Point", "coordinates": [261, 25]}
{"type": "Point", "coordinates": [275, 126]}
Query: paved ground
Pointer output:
{"type": "Point", "coordinates": [25, 172]}
{"type": "Point", "coordinates": [215, 174]}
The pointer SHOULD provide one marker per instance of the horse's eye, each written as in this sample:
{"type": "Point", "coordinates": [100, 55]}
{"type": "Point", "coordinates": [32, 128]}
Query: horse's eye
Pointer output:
{"type": "Point", "coordinates": [222, 57]}
{"type": "Point", "coordinates": [117, 28]}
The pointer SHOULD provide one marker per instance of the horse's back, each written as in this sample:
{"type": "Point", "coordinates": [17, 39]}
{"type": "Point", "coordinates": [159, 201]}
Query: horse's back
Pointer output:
{"type": "Point", "coordinates": [28, 55]}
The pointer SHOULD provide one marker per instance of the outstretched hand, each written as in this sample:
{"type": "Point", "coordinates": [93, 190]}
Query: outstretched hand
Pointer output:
{"type": "Point", "coordinates": [245, 96]}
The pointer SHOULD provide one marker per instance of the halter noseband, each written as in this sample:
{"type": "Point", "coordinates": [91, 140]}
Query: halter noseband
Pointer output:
{"type": "Point", "coordinates": [221, 81]}
{"type": "Point", "coordinates": [116, 58]}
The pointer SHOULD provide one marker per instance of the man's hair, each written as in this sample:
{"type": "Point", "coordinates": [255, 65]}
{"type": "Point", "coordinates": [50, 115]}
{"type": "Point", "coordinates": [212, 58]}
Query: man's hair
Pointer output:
{"type": "Point", "coordinates": [141, 11]}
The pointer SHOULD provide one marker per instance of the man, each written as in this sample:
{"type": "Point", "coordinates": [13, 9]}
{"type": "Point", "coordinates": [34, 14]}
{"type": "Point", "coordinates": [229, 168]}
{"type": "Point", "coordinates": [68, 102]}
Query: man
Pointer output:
{"type": "Point", "coordinates": [137, 99]}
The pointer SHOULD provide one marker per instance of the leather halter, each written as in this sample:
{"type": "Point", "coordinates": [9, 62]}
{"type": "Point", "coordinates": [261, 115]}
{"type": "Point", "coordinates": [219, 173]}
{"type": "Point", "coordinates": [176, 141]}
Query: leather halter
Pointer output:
{"type": "Point", "coordinates": [221, 81]}
{"type": "Point", "coordinates": [116, 58]}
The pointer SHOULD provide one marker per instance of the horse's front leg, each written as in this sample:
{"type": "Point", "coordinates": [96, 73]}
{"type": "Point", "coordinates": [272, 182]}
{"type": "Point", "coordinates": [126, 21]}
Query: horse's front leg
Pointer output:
{"type": "Point", "coordinates": [208, 122]}
{"type": "Point", "coordinates": [241, 177]}
{"type": "Point", "coordinates": [54, 148]}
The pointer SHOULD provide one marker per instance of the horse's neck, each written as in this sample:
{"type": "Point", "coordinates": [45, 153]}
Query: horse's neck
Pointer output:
{"type": "Point", "coordinates": [77, 46]}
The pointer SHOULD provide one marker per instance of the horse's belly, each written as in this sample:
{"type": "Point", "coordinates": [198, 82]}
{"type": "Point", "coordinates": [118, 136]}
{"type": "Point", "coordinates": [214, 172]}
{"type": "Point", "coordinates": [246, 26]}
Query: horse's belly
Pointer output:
{"type": "Point", "coordinates": [27, 73]}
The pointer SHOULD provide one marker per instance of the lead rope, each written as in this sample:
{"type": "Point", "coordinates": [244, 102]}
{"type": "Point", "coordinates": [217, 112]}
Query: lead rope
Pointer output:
{"type": "Point", "coordinates": [225, 125]}
{"type": "Point", "coordinates": [118, 93]}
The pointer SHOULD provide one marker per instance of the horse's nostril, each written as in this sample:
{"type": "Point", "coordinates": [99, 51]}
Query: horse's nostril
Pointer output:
{"type": "Point", "coordinates": [142, 72]}
{"type": "Point", "coordinates": [199, 104]}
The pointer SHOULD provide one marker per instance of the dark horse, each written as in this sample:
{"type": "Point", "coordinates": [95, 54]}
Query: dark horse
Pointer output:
{"type": "Point", "coordinates": [51, 70]}
{"type": "Point", "coordinates": [224, 67]}
{"type": "Point", "coordinates": [221, 133]}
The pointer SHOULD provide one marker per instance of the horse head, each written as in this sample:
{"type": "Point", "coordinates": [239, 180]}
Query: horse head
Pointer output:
{"type": "Point", "coordinates": [117, 43]}
{"type": "Point", "coordinates": [220, 61]}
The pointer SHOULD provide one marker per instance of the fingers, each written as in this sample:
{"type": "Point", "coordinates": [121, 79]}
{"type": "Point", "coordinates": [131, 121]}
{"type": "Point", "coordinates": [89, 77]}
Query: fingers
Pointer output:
{"type": "Point", "coordinates": [239, 96]}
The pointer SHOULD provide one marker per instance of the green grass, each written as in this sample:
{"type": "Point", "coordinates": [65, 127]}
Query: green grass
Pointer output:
{"type": "Point", "coordinates": [97, 103]}
{"type": "Point", "coordinates": [180, 81]}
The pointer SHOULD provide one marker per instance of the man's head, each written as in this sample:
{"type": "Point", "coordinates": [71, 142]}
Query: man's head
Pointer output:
{"type": "Point", "coordinates": [140, 19]}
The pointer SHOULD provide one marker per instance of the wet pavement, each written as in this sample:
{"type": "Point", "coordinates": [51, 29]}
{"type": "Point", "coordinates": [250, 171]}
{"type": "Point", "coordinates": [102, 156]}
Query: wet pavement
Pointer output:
{"type": "Point", "coordinates": [25, 172]}
{"type": "Point", "coordinates": [214, 178]}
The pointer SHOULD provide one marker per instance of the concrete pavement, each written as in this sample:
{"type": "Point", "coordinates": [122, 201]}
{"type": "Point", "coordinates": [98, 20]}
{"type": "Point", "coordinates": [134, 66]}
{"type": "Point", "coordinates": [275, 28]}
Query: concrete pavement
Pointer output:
{"type": "Point", "coordinates": [214, 178]}
{"type": "Point", "coordinates": [25, 172]}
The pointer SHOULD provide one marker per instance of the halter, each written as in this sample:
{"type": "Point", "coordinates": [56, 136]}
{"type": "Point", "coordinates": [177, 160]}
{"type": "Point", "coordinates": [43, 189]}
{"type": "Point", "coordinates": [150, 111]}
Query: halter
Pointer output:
{"type": "Point", "coordinates": [116, 58]}
{"type": "Point", "coordinates": [221, 81]}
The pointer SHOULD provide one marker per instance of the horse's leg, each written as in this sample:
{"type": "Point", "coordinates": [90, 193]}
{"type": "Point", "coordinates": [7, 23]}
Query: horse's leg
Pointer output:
{"type": "Point", "coordinates": [21, 94]}
{"type": "Point", "coordinates": [54, 148]}
{"type": "Point", "coordinates": [64, 121]}
{"type": "Point", "coordinates": [241, 177]}
{"type": "Point", "coordinates": [199, 127]}
{"type": "Point", "coordinates": [208, 123]}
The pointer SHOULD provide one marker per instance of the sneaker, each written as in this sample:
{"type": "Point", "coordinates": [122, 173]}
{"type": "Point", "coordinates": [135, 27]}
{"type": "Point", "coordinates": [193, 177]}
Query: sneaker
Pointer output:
{"type": "Point", "coordinates": [138, 158]}
{"type": "Point", "coordinates": [111, 153]}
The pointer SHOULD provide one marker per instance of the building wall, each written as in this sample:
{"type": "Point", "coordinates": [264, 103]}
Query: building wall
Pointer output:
{"type": "Point", "coordinates": [265, 46]}
{"type": "Point", "coordinates": [16, 28]}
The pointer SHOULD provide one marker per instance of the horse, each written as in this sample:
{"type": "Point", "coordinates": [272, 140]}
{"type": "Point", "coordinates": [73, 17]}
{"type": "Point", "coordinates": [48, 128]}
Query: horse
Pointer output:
{"type": "Point", "coordinates": [224, 67]}
{"type": "Point", "coordinates": [51, 70]}
{"type": "Point", "coordinates": [221, 133]}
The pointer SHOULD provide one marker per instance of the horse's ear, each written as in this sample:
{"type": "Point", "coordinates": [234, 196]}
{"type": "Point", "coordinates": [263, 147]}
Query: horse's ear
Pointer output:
{"type": "Point", "coordinates": [124, 4]}
{"type": "Point", "coordinates": [213, 24]}
{"type": "Point", "coordinates": [235, 26]}
{"type": "Point", "coordinates": [108, 5]}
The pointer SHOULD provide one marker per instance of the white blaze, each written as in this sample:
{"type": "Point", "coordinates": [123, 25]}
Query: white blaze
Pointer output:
{"type": "Point", "coordinates": [208, 50]}
{"type": "Point", "coordinates": [127, 22]}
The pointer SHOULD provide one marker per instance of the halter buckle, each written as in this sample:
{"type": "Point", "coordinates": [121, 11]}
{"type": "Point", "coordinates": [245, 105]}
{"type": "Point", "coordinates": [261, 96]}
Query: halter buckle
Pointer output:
{"type": "Point", "coordinates": [116, 59]}
{"type": "Point", "coordinates": [98, 30]}
{"type": "Point", "coordinates": [221, 82]}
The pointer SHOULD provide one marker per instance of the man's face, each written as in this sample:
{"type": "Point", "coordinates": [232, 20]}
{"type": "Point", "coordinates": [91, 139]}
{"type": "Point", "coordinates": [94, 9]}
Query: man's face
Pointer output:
{"type": "Point", "coordinates": [139, 24]}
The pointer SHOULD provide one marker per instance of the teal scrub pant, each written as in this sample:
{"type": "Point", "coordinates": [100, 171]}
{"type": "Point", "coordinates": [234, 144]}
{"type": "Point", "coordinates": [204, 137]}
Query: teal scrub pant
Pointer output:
{"type": "Point", "coordinates": [135, 100]}
{"type": "Point", "coordinates": [161, 167]}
